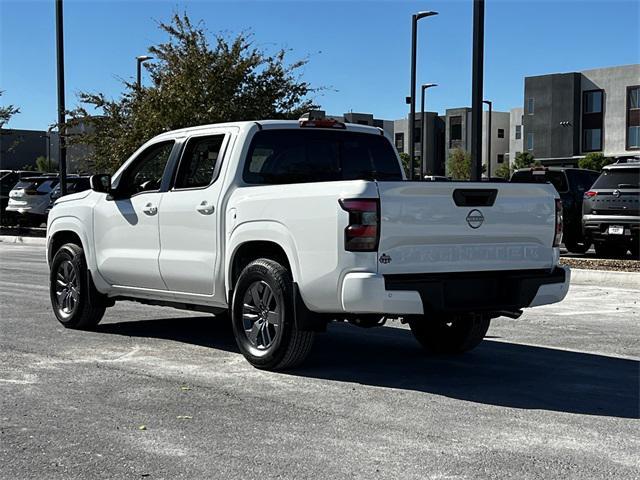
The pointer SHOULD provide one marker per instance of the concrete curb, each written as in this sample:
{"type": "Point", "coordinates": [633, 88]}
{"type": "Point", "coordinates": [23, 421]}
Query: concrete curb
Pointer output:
{"type": "Point", "coordinates": [23, 240]}
{"type": "Point", "coordinates": [605, 278]}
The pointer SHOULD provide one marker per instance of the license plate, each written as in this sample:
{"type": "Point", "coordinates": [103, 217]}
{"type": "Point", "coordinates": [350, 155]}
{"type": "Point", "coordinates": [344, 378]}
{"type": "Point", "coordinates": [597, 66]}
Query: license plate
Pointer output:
{"type": "Point", "coordinates": [616, 230]}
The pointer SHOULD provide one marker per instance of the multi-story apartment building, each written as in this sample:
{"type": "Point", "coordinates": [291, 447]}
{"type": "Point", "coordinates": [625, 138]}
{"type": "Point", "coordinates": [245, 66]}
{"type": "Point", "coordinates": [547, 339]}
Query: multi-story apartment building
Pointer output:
{"type": "Point", "coordinates": [458, 135]}
{"type": "Point", "coordinates": [516, 143]}
{"type": "Point", "coordinates": [433, 137]}
{"type": "Point", "coordinates": [567, 115]}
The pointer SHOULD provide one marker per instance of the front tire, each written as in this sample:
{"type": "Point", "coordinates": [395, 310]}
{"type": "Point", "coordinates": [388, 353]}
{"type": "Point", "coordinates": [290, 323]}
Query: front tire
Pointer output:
{"type": "Point", "coordinates": [263, 317]}
{"type": "Point", "coordinates": [73, 297]}
{"type": "Point", "coordinates": [450, 334]}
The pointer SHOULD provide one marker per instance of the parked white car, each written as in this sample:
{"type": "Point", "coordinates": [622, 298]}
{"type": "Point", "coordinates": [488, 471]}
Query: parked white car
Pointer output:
{"type": "Point", "coordinates": [288, 225]}
{"type": "Point", "coordinates": [30, 198]}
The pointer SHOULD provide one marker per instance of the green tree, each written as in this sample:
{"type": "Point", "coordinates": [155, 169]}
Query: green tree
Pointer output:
{"type": "Point", "coordinates": [504, 171]}
{"type": "Point", "coordinates": [459, 165]}
{"type": "Point", "coordinates": [404, 158]}
{"type": "Point", "coordinates": [45, 166]}
{"type": "Point", "coordinates": [524, 160]}
{"type": "Point", "coordinates": [594, 161]}
{"type": "Point", "coordinates": [193, 82]}
{"type": "Point", "coordinates": [7, 112]}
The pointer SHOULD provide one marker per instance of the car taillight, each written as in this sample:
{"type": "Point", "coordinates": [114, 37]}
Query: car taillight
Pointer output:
{"type": "Point", "coordinates": [362, 233]}
{"type": "Point", "coordinates": [590, 194]}
{"type": "Point", "coordinates": [557, 238]}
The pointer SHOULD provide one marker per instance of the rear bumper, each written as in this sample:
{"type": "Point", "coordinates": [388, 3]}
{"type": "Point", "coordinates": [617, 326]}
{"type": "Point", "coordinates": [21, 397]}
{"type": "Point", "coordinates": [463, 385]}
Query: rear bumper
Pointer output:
{"type": "Point", "coordinates": [597, 227]}
{"type": "Point", "coordinates": [453, 292]}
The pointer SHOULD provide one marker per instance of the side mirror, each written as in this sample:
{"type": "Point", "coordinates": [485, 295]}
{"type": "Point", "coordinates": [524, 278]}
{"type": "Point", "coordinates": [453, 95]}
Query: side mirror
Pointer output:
{"type": "Point", "coordinates": [101, 183]}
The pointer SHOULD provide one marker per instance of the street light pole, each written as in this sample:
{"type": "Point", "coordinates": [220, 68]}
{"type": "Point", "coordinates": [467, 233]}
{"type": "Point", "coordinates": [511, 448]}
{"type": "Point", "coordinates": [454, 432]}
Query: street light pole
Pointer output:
{"type": "Point", "coordinates": [488, 102]}
{"type": "Point", "coordinates": [62, 149]}
{"type": "Point", "coordinates": [423, 141]}
{"type": "Point", "coordinates": [139, 61]}
{"type": "Point", "coordinates": [412, 113]}
{"type": "Point", "coordinates": [476, 90]}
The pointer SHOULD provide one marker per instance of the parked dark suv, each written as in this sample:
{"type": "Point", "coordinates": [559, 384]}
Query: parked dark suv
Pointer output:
{"type": "Point", "coordinates": [611, 210]}
{"type": "Point", "coordinates": [571, 184]}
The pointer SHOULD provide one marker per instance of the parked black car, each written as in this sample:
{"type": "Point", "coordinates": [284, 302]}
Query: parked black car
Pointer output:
{"type": "Point", "coordinates": [611, 210]}
{"type": "Point", "coordinates": [571, 184]}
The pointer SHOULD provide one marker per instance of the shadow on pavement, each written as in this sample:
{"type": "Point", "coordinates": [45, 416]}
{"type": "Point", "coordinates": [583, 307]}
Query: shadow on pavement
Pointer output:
{"type": "Point", "coordinates": [495, 373]}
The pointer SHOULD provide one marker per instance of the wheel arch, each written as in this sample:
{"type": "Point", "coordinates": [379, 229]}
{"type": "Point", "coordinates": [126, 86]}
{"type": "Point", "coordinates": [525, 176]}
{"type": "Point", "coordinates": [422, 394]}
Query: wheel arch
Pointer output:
{"type": "Point", "coordinates": [71, 230]}
{"type": "Point", "coordinates": [251, 250]}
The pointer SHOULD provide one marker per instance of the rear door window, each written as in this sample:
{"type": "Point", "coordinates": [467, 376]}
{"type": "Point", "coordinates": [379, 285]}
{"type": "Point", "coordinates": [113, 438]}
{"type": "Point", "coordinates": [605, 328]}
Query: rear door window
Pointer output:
{"type": "Point", "coordinates": [301, 156]}
{"type": "Point", "coordinates": [200, 161]}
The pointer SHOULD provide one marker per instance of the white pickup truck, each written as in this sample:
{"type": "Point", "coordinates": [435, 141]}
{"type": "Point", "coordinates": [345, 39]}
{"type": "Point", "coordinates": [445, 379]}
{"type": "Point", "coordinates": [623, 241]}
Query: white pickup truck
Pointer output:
{"type": "Point", "coordinates": [288, 225]}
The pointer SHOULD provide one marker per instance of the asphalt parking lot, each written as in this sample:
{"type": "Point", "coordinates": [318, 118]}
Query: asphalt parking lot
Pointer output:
{"type": "Point", "coordinates": [159, 393]}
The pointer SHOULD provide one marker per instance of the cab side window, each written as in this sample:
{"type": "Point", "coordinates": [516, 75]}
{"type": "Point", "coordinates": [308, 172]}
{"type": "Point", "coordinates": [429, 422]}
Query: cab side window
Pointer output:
{"type": "Point", "coordinates": [145, 174]}
{"type": "Point", "coordinates": [200, 162]}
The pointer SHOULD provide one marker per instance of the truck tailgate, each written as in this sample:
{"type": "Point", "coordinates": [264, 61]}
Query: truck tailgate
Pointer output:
{"type": "Point", "coordinates": [432, 227]}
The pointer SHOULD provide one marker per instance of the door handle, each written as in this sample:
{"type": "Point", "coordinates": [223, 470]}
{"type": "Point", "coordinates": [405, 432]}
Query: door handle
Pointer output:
{"type": "Point", "coordinates": [150, 209]}
{"type": "Point", "coordinates": [204, 208]}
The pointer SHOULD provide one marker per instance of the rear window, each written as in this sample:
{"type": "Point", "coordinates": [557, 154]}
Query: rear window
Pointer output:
{"type": "Point", "coordinates": [301, 156]}
{"type": "Point", "coordinates": [618, 178]}
{"type": "Point", "coordinates": [41, 185]}
{"type": "Point", "coordinates": [556, 178]}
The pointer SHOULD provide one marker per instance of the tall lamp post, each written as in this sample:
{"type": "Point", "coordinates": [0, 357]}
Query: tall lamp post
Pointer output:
{"type": "Point", "coordinates": [423, 123]}
{"type": "Point", "coordinates": [476, 90]}
{"type": "Point", "coordinates": [488, 102]}
{"type": "Point", "coordinates": [62, 150]}
{"type": "Point", "coordinates": [139, 61]}
{"type": "Point", "coordinates": [412, 113]}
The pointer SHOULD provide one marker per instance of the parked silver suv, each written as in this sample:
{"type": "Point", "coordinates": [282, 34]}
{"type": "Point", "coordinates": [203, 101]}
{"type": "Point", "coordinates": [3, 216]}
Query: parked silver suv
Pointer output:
{"type": "Point", "coordinates": [611, 210]}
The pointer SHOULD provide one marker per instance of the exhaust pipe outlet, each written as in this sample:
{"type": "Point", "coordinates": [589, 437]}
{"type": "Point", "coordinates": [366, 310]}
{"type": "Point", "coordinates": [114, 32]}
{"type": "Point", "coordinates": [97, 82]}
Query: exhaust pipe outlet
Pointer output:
{"type": "Point", "coordinates": [509, 313]}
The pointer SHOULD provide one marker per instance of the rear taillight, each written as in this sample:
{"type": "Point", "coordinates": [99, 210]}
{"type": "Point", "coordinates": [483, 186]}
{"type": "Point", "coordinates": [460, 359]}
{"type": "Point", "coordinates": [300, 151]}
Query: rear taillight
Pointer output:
{"type": "Point", "coordinates": [557, 238]}
{"type": "Point", "coordinates": [590, 194]}
{"type": "Point", "coordinates": [362, 233]}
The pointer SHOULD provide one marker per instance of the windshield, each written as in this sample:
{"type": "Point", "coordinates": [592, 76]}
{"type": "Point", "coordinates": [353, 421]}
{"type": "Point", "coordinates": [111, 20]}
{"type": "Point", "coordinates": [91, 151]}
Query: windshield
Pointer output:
{"type": "Point", "coordinates": [617, 178]}
{"type": "Point", "coordinates": [301, 156]}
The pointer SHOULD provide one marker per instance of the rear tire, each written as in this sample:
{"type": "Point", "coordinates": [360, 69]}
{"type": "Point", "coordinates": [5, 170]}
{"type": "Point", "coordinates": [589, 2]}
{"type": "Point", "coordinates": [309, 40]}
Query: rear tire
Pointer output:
{"type": "Point", "coordinates": [610, 250]}
{"type": "Point", "coordinates": [263, 317]}
{"type": "Point", "coordinates": [75, 301]}
{"type": "Point", "coordinates": [574, 246]}
{"type": "Point", "coordinates": [450, 334]}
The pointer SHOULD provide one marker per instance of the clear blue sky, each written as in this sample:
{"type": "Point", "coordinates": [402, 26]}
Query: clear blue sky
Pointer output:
{"type": "Point", "coordinates": [359, 49]}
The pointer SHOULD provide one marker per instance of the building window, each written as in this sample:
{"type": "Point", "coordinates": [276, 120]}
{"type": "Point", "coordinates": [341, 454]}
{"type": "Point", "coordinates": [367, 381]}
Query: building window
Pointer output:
{"type": "Point", "coordinates": [500, 158]}
{"type": "Point", "coordinates": [417, 135]}
{"type": "Point", "coordinates": [518, 132]}
{"type": "Point", "coordinates": [530, 106]}
{"type": "Point", "coordinates": [363, 122]}
{"type": "Point", "coordinates": [592, 120]}
{"type": "Point", "coordinates": [633, 118]}
{"type": "Point", "coordinates": [593, 101]}
{"type": "Point", "coordinates": [400, 141]}
{"type": "Point", "coordinates": [530, 141]}
{"type": "Point", "coordinates": [455, 131]}
{"type": "Point", "coordinates": [591, 139]}
{"type": "Point", "coordinates": [501, 133]}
